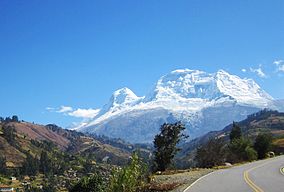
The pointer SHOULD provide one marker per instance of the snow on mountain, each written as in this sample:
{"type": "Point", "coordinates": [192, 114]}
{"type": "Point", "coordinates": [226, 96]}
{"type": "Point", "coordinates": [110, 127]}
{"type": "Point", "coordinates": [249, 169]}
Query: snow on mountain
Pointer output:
{"type": "Point", "coordinates": [203, 101]}
{"type": "Point", "coordinates": [120, 99]}
{"type": "Point", "coordinates": [186, 84]}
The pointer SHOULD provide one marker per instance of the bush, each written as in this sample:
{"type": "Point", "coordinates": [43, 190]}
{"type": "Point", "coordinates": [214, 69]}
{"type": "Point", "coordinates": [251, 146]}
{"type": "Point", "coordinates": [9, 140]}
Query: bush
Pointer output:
{"type": "Point", "coordinates": [236, 132]}
{"type": "Point", "coordinates": [89, 184]}
{"type": "Point", "coordinates": [251, 153]}
{"type": "Point", "coordinates": [241, 150]}
{"type": "Point", "coordinates": [211, 154]}
{"type": "Point", "coordinates": [263, 144]}
{"type": "Point", "coordinates": [30, 166]}
{"type": "Point", "coordinates": [9, 134]}
{"type": "Point", "coordinates": [129, 178]}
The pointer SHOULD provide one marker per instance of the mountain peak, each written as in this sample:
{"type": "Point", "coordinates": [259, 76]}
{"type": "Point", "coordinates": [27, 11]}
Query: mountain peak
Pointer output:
{"type": "Point", "coordinates": [190, 84]}
{"type": "Point", "coordinates": [124, 91]}
{"type": "Point", "coordinates": [123, 95]}
{"type": "Point", "coordinates": [120, 98]}
{"type": "Point", "coordinates": [245, 91]}
{"type": "Point", "coordinates": [222, 72]}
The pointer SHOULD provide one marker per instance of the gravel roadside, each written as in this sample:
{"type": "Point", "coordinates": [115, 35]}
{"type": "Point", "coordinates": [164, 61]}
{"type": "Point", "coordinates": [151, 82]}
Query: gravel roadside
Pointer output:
{"type": "Point", "coordinates": [178, 180]}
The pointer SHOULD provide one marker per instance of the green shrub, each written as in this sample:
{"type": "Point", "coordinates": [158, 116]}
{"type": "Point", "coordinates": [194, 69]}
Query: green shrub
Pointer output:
{"type": "Point", "coordinates": [211, 153]}
{"type": "Point", "coordinates": [263, 144]}
{"type": "Point", "coordinates": [89, 184]}
{"type": "Point", "coordinates": [251, 153]}
{"type": "Point", "coordinates": [129, 178]}
{"type": "Point", "coordinates": [241, 150]}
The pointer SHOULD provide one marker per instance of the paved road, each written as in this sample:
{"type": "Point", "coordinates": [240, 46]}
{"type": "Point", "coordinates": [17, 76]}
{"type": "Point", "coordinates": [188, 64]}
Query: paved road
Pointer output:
{"type": "Point", "coordinates": [260, 176]}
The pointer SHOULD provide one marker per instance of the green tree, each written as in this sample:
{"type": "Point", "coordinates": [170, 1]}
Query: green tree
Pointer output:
{"type": "Point", "coordinates": [129, 178]}
{"type": "Point", "coordinates": [50, 185]}
{"type": "Point", "coordinates": [30, 166]}
{"type": "Point", "coordinates": [263, 144]}
{"type": "Point", "coordinates": [32, 189]}
{"type": "Point", "coordinates": [236, 132]}
{"type": "Point", "coordinates": [3, 168]}
{"type": "Point", "coordinates": [251, 154]}
{"type": "Point", "coordinates": [89, 184]}
{"type": "Point", "coordinates": [9, 134]}
{"type": "Point", "coordinates": [45, 165]}
{"type": "Point", "coordinates": [15, 118]}
{"type": "Point", "coordinates": [241, 150]}
{"type": "Point", "coordinates": [165, 144]}
{"type": "Point", "coordinates": [8, 120]}
{"type": "Point", "coordinates": [87, 166]}
{"type": "Point", "coordinates": [211, 153]}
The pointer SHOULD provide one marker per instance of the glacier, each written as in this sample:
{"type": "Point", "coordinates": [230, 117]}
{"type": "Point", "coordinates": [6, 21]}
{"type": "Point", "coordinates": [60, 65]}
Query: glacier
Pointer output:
{"type": "Point", "coordinates": [202, 101]}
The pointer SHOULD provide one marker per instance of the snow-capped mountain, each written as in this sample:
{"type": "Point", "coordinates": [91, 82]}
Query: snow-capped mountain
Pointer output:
{"type": "Point", "coordinates": [202, 101]}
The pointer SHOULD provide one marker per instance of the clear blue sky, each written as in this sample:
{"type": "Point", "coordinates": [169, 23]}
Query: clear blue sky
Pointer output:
{"type": "Point", "coordinates": [76, 53]}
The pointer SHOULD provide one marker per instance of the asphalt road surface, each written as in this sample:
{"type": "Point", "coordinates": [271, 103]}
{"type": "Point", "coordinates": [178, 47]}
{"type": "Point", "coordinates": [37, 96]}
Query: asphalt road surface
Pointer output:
{"type": "Point", "coordinates": [259, 176]}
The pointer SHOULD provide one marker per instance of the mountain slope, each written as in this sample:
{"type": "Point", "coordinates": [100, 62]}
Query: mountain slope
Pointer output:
{"type": "Point", "coordinates": [28, 138]}
{"type": "Point", "coordinates": [198, 99]}
{"type": "Point", "coordinates": [267, 121]}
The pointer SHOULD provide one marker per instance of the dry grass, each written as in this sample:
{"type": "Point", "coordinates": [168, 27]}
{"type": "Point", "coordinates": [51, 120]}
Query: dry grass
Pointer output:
{"type": "Point", "coordinates": [162, 186]}
{"type": "Point", "coordinates": [175, 180]}
{"type": "Point", "coordinates": [279, 142]}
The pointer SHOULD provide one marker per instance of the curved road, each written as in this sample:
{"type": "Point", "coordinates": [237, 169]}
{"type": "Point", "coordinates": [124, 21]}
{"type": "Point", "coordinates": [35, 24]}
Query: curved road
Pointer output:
{"type": "Point", "coordinates": [259, 176]}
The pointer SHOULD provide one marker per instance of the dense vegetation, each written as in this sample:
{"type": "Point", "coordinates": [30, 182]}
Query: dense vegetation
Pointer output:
{"type": "Point", "coordinates": [130, 178]}
{"type": "Point", "coordinates": [211, 154]}
{"type": "Point", "coordinates": [94, 183]}
{"type": "Point", "coordinates": [239, 149]}
{"type": "Point", "coordinates": [49, 158]}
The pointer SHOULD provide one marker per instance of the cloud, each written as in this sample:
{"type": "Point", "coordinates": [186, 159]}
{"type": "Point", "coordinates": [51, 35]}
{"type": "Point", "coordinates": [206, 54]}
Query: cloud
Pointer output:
{"type": "Point", "coordinates": [244, 70]}
{"type": "Point", "coordinates": [280, 65]}
{"type": "Point", "coordinates": [50, 109]}
{"type": "Point", "coordinates": [281, 68]}
{"type": "Point", "coordinates": [278, 62]}
{"type": "Point", "coordinates": [259, 72]}
{"type": "Point", "coordinates": [64, 109]}
{"type": "Point", "coordinates": [69, 111]}
{"type": "Point", "coordinates": [84, 113]}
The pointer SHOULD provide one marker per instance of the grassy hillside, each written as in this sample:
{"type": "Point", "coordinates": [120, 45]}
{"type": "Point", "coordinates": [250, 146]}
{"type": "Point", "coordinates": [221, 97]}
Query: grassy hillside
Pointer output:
{"type": "Point", "coordinates": [28, 136]}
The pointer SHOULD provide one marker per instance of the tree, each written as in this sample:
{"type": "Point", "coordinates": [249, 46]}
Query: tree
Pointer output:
{"type": "Point", "coordinates": [241, 150]}
{"type": "Point", "coordinates": [129, 178]}
{"type": "Point", "coordinates": [9, 134]}
{"type": "Point", "coordinates": [45, 163]}
{"type": "Point", "coordinates": [211, 153]}
{"type": "Point", "coordinates": [251, 154]}
{"type": "Point", "coordinates": [3, 168]}
{"type": "Point", "coordinates": [165, 144]}
{"type": "Point", "coordinates": [263, 144]}
{"type": "Point", "coordinates": [50, 186]}
{"type": "Point", "coordinates": [236, 132]}
{"type": "Point", "coordinates": [30, 166]}
{"type": "Point", "coordinates": [15, 118]}
{"type": "Point", "coordinates": [87, 165]}
{"type": "Point", "coordinates": [8, 120]}
{"type": "Point", "coordinates": [89, 184]}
